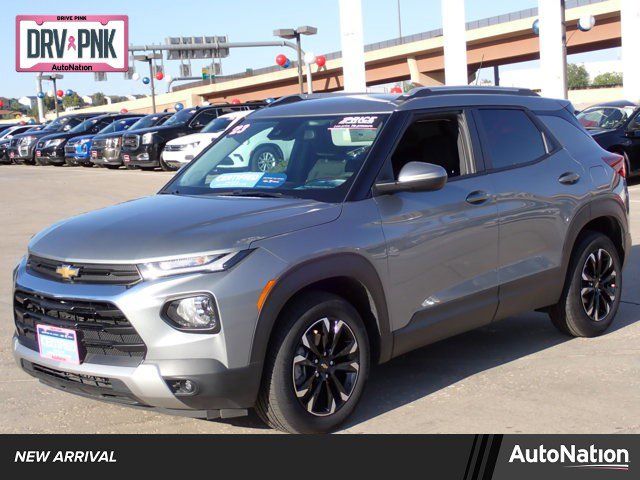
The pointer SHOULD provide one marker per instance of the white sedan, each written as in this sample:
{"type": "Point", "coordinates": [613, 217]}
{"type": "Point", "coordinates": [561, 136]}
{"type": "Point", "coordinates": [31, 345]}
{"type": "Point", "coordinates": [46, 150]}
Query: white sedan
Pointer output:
{"type": "Point", "coordinates": [182, 150]}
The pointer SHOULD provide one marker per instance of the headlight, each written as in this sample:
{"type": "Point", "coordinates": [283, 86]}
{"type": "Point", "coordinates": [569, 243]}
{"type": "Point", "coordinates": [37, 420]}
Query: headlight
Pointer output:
{"type": "Point", "coordinates": [196, 313]}
{"type": "Point", "coordinates": [54, 142]}
{"type": "Point", "coordinates": [147, 138]}
{"type": "Point", "coordinates": [27, 140]}
{"type": "Point", "coordinates": [201, 263]}
{"type": "Point", "coordinates": [84, 141]}
{"type": "Point", "coordinates": [192, 145]}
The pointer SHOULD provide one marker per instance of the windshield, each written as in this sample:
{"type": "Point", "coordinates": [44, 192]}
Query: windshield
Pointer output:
{"type": "Point", "coordinates": [84, 126]}
{"type": "Point", "coordinates": [217, 125]}
{"type": "Point", "coordinates": [182, 116]}
{"type": "Point", "coordinates": [58, 123]}
{"type": "Point", "coordinates": [605, 117]}
{"type": "Point", "coordinates": [146, 121]}
{"type": "Point", "coordinates": [309, 157]}
{"type": "Point", "coordinates": [116, 126]}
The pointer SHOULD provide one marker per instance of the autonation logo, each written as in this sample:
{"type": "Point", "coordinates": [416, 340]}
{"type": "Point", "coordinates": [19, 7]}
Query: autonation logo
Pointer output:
{"type": "Point", "coordinates": [573, 457]}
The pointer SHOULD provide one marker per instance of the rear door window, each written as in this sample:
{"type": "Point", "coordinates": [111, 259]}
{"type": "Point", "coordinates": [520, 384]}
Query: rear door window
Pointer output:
{"type": "Point", "coordinates": [509, 137]}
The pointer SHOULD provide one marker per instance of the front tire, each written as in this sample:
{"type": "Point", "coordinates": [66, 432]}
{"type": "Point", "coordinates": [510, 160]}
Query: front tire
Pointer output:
{"type": "Point", "coordinates": [316, 366]}
{"type": "Point", "coordinates": [592, 290]}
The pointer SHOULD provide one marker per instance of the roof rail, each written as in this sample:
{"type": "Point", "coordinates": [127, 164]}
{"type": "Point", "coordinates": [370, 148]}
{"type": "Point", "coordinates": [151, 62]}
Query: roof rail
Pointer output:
{"type": "Point", "coordinates": [422, 92]}
{"type": "Point", "coordinates": [298, 97]}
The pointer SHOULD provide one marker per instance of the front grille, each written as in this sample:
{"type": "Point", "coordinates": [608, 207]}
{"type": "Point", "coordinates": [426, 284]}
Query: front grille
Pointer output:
{"type": "Point", "coordinates": [96, 273]}
{"type": "Point", "coordinates": [70, 148]}
{"type": "Point", "coordinates": [99, 388]}
{"type": "Point", "coordinates": [91, 380]}
{"type": "Point", "coordinates": [174, 148]}
{"type": "Point", "coordinates": [102, 328]}
{"type": "Point", "coordinates": [131, 141]}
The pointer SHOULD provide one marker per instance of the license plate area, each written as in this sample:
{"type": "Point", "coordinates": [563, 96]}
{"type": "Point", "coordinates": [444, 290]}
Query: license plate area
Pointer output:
{"type": "Point", "coordinates": [59, 344]}
{"type": "Point", "coordinates": [126, 158]}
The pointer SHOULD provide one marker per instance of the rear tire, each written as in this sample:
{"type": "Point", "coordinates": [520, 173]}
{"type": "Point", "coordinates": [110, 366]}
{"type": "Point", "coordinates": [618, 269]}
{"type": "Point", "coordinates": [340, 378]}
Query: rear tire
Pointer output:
{"type": "Point", "coordinates": [112, 167]}
{"type": "Point", "coordinates": [307, 392]}
{"type": "Point", "coordinates": [592, 290]}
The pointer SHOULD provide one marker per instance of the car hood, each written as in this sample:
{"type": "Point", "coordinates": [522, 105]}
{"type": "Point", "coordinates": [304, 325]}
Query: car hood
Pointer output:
{"type": "Point", "coordinates": [194, 137]}
{"type": "Point", "coordinates": [82, 137]}
{"type": "Point", "coordinates": [160, 129]}
{"type": "Point", "coordinates": [169, 225]}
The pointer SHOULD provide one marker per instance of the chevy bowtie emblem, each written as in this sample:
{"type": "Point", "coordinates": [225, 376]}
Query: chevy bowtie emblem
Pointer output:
{"type": "Point", "coordinates": [67, 271]}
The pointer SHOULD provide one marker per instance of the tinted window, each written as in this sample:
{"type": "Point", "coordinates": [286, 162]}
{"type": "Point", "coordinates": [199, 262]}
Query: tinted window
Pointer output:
{"type": "Point", "coordinates": [511, 138]}
{"type": "Point", "coordinates": [205, 117]}
{"type": "Point", "coordinates": [578, 142]}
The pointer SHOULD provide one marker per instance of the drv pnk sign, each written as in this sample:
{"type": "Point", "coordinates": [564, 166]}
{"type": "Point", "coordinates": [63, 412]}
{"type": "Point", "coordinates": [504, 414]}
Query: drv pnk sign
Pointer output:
{"type": "Point", "coordinates": [72, 43]}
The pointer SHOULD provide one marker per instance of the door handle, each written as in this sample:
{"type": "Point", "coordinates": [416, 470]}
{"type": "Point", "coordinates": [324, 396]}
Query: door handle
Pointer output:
{"type": "Point", "coordinates": [478, 197]}
{"type": "Point", "coordinates": [569, 178]}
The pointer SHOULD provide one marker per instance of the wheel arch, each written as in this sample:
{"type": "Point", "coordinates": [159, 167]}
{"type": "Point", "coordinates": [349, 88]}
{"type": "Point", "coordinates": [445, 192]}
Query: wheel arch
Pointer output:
{"type": "Point", "coordinates": [347, 275]}
{"type": "Point", "coordinates": [606, 216]}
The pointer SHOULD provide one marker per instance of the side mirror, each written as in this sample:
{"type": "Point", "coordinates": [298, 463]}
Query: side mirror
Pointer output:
{"type": "Point", "coordinates": [633, 133]}
{"type": "Point", "coordinates": [416, 177]}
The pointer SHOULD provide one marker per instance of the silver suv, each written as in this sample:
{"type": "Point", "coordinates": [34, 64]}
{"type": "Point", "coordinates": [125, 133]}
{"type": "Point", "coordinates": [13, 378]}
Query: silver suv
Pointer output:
{"type": "Point", "coordinates": [382, 224]}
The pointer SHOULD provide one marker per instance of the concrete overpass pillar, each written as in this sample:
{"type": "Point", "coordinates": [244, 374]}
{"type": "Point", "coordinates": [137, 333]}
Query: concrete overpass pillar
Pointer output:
{"type": "Point", "coordinates": [455, 42]}
{"type": "Point", "coordinates": [553, 48]}
{"type": "Point", "coordinates": [630, 23]}
{"type": "Point", "coordinates": [352, 40]}
{"type": "Point", "coordinates": [424, 79]}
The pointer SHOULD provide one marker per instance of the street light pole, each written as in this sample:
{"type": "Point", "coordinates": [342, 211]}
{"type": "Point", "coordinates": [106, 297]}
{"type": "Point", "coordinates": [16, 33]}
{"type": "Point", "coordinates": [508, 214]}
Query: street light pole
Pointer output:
{"type": "Point", "coordinates": [299, 51]}
{"type": "Point", "coordinates": [149, 59]}
{"type": "Point", "coordinates": [55, 96]}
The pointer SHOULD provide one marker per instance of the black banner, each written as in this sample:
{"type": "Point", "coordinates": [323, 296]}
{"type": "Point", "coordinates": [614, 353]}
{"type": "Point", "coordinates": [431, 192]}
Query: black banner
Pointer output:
{"type": "Point", "coordinates": [456, 457]}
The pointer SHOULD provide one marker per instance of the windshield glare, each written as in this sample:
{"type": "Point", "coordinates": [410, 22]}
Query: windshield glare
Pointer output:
{"type": "Point", "coordinates": [605, 117]}
{"type": "Point", "coordinates": [180, 117]}
{"type": "Point", "coordinates": [217, 125]}
{"type": "Point", "coordinates": [311, 157]}
{"type": "Point", "coordinates": [84, 126]}
{"type": "Point", "coordinates": [144, 122]}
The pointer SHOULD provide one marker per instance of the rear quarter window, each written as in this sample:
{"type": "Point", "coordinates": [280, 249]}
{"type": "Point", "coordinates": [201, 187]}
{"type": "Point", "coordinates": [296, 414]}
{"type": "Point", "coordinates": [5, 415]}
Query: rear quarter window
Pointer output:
{"type": "Point", "coordinates": [575, 140]}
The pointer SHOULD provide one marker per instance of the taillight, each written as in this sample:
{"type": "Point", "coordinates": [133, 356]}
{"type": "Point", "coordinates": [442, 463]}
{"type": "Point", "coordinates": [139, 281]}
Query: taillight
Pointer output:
{"type": "Point", "coordinates": [616, 162]}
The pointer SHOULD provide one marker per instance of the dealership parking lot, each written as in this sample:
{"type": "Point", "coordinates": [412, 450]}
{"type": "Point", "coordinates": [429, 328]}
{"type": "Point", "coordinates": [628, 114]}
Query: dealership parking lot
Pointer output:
{"type": "Point", "coordinates": [516, 376]}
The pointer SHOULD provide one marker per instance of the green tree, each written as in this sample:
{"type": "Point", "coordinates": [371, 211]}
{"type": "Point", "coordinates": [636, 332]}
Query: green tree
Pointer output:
{"type": "Point", "coordinates": [98, 98]}
{"type": "Point", "coordinates": [608, 79]}
{"type": "Point", "coordinates": [72, 101]}
{"type": "Point", "coordinates": [577, 76]}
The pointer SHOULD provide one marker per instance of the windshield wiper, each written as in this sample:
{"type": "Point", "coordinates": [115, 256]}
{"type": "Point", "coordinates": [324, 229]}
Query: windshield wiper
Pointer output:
{"type": "Point", "coordinates": [250, 193]}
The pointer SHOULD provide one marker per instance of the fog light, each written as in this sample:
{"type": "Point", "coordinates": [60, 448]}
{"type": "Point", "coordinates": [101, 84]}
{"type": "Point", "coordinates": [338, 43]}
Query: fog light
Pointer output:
{"type": "Point", "coordinates": [197, 313]}
{"type": "Point", "coordinates": [143, 156]}
{"type": "Point", "coordinates": [183, 387]}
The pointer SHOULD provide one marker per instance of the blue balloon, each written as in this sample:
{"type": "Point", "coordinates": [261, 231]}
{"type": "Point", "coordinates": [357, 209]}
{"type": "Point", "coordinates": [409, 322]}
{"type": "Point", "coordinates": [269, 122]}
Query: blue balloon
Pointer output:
{"type": "Point", "coordinates": [146, 80]}
{"type": "Point", "coordinates": [40, 94]}
{"type": "Point", "coordinates": [536, 27]}
{"type": "Point", "coordinates": [178, 106]}
{"type": "Point", "coordinates": [68, 93]}
{"type": "Point", "coordinates": [287, 64]}
{"type": "Point", "coordinates": [31, 121]}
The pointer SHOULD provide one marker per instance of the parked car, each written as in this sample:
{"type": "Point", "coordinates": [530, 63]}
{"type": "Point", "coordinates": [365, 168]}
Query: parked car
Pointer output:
{"type": "Point", "coordinates": [616, 128]}
{"type": "Point", "coordinates": [50, 149]}
{"type": "Point", "coordinates": [105, 149]}
{"type": "Point", "coordinates": [394, 222]}
{"type": "Point", "coordinates": [78, 149]}
{"type": "Point", "coordinates": [5, 138]}
{"type": "Point", "coordinates": [22, 147]}
{"type": "Point", "coordinates": [143, 148]}
{"type": "Point", "coordinates": [180, 151]}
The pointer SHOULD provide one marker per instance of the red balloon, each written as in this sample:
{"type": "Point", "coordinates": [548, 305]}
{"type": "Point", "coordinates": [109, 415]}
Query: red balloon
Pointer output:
{"type": "Point", "coordinates": [1, 104]}
{"type": "Point", "coordinates": [124, 110]}
{"type": "Point", "coordinates": [159, 76]}
{"type": "Point", "coordinates": [321, 61]}
{"type": "Point", "coordinates": [281, 60]}
{"type": "Point", "coordinates": [235, 101]}
{"type": "Point", "coordinates": [60, 93]}
{"type": "Point", "coordinates": [396, 89]}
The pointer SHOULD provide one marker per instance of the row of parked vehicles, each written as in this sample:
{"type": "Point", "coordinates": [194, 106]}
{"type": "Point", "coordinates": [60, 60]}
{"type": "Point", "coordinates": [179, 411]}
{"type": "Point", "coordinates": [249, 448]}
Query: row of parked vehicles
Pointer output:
{"type": "Point", "coordinates": [164, 140]}
{"type": "Point", "coordinates": [170, 140]}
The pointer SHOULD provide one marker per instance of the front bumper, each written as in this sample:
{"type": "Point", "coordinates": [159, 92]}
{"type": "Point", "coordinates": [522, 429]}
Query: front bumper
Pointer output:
{"type": "Point", "coordinates": [219, 364]}
{"type": "Point", "coordinates": [143, 156]}
{"type": "Point", "coordinates": [177, 158]}
{"type": "Point", "coordinates": [53, 155]}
